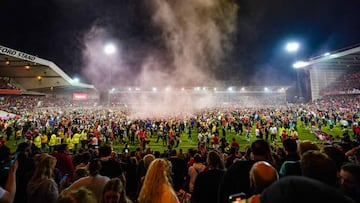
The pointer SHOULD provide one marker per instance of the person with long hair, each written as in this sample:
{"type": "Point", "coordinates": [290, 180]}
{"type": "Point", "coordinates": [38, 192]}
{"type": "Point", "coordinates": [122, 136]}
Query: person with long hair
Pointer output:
{"type": "Point", "coordinates": [157, 186]}
{"type": "Point", "coordinates": [42, 187]}
{"type": "Point", "coordinates": [114, 192]}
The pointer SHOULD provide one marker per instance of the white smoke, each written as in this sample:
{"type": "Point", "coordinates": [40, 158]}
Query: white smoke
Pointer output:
{"type": "Point", "coordinates": [197, 35]}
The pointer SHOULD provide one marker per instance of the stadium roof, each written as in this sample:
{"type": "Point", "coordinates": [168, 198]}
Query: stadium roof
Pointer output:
{"type": "Point", "coordinates": [346, 57]}
{"type": "Point", "coordinates": [34, 75]}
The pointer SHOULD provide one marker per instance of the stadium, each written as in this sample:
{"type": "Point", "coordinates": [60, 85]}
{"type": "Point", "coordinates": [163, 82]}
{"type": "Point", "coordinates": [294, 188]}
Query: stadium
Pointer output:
{"type": "Point", "coordinates": [52, 112]}
{"type": "Point", "coordinates": [334, 73]}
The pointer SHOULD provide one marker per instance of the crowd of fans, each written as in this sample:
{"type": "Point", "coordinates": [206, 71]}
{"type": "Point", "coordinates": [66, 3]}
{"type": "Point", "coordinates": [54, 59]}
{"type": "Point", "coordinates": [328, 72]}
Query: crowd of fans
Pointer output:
{"type": "Point", "coordinates": [25, 105]}
{"type": "Point", "coordinates": [6, 83]}
{"type": "Point", "coordinates": [347, 83]}
{"type": "Point", "coordinates": [213, 98]}
{"type": "Point", "coordinates": [68, 154]}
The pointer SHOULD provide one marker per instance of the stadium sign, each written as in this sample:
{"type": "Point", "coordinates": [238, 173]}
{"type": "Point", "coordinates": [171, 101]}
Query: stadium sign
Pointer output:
{"type": "Point", "coordinates": [18, 54]}
{"type": "Point", "coordinates": [80, 97]}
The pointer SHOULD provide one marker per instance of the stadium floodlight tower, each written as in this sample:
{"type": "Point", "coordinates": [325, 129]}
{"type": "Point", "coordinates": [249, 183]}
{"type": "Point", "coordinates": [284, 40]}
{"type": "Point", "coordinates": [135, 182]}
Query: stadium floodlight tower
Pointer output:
{"type": "Point", "coordinates": [110, 49]}
{"type": "Point", "coordinates": [293, 47]}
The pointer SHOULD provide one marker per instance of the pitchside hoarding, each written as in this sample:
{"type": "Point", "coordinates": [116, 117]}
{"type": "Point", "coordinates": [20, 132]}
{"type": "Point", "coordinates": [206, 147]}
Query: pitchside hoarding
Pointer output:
{"type": "Point", "coordinates": [80, 96]}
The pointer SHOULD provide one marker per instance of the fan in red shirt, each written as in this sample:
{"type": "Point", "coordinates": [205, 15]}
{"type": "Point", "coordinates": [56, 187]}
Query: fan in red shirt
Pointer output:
{"type": "Point", "coordinates": [215, 142]}
{"type": "Point", "coordinates": [64, 162]}
{"type": "Point", "coordinates": [171, 138]}
{"type": "Point", "coordinates": [284, 135]}
{"type": "Point", "coordinates": [223, 121]}
{"type": "Point", "coordinates": [235, 144]}
{"type": "Point", "coordinates": [2, 141]}
{"type": "Point", "coordinates": [142, 138]}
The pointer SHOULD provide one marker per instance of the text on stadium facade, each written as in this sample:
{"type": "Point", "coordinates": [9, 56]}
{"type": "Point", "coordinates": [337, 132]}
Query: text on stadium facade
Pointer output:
{"type": "Point", "coordinates": [18, 54]}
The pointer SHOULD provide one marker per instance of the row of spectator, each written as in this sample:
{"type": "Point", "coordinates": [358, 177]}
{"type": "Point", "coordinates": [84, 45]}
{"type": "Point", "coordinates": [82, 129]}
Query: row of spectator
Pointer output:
{"type": "Point", "coordinates": [332, 171]}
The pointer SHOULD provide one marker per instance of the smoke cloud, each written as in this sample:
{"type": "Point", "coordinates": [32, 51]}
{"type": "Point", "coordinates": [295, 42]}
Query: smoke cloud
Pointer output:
{"type": "Point", "coordinates": [196, 35]}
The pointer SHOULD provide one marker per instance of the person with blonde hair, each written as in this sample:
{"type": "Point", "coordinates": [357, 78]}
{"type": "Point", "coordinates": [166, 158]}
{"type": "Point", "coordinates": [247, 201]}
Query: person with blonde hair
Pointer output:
{"type": "Point", "coordinates": [157, 186]}
{"type": "Point", "coordinates": [114, 192]}
{"type": "Point", "coordinates": [42, 187]}
{"type": "Point", "coordinates": [81, 195]}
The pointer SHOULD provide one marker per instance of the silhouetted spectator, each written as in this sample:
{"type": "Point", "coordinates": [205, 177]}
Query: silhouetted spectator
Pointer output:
{"type": "Point", "coordinates": [179, 170]}
{"type": "Point", "coordinates": [207, 182]}
{"type": "Point", "coordinates": [349, 180]}
{"type": "Point", "coordinates": [298, 189]}
{"type": "Point", "coordinates": [236, 178]}
{"type": "Point", "coordinates": [319, 166]}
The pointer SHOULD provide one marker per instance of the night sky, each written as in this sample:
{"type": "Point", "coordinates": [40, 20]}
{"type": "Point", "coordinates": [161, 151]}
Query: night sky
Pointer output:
{"type": "Point", "coordinates": [55, 30]}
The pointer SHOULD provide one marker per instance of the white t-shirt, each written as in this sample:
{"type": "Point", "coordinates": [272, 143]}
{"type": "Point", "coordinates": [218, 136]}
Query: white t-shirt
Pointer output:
{"type": "Point", "coordinates": [273, 130]}
{"type": "Point", "coordinates": [257, 132]}
{"type": "Point", "coordinates": [94, 141]}
{"type": "Point", "coordinates": [95, 184]}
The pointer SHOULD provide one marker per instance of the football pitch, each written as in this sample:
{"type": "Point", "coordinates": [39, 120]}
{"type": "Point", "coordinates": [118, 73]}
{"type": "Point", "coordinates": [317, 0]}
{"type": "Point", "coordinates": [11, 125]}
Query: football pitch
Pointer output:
{"type": "Point", "coordinates": [186, 143]}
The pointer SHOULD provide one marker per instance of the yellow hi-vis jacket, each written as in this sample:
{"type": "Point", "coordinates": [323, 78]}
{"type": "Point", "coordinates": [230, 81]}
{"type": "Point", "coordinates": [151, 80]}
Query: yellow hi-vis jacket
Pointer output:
{"type": "Point", "coordinates": [70, 143]}
{"type": "Point", "coordinates": [76, 138]}
{"type": "Point", "coordinates": [83, 135]}
{"type": "Point", "coordinates": [37, 141]}
{"type": "Point", "coordinates": [53, 140]}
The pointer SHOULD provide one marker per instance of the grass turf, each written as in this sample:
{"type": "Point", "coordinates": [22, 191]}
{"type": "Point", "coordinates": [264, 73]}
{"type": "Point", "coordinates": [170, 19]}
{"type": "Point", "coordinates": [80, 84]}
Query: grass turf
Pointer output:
{"type": "Point", "coordinates": [185, 143]}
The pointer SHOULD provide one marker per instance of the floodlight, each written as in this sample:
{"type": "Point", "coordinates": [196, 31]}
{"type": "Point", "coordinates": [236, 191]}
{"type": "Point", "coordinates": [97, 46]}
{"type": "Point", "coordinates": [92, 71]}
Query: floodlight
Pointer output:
{"type": "Point", "coordinates": [109, 48]}
{"type": "Point", "coordinates": [292, 46]}
{"type": "Point", "coordinates": [7, 62]}
{"type": "Point", "coordinates": [76, 80]}
{"type": "Point", "coordinates": [300, 64]}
